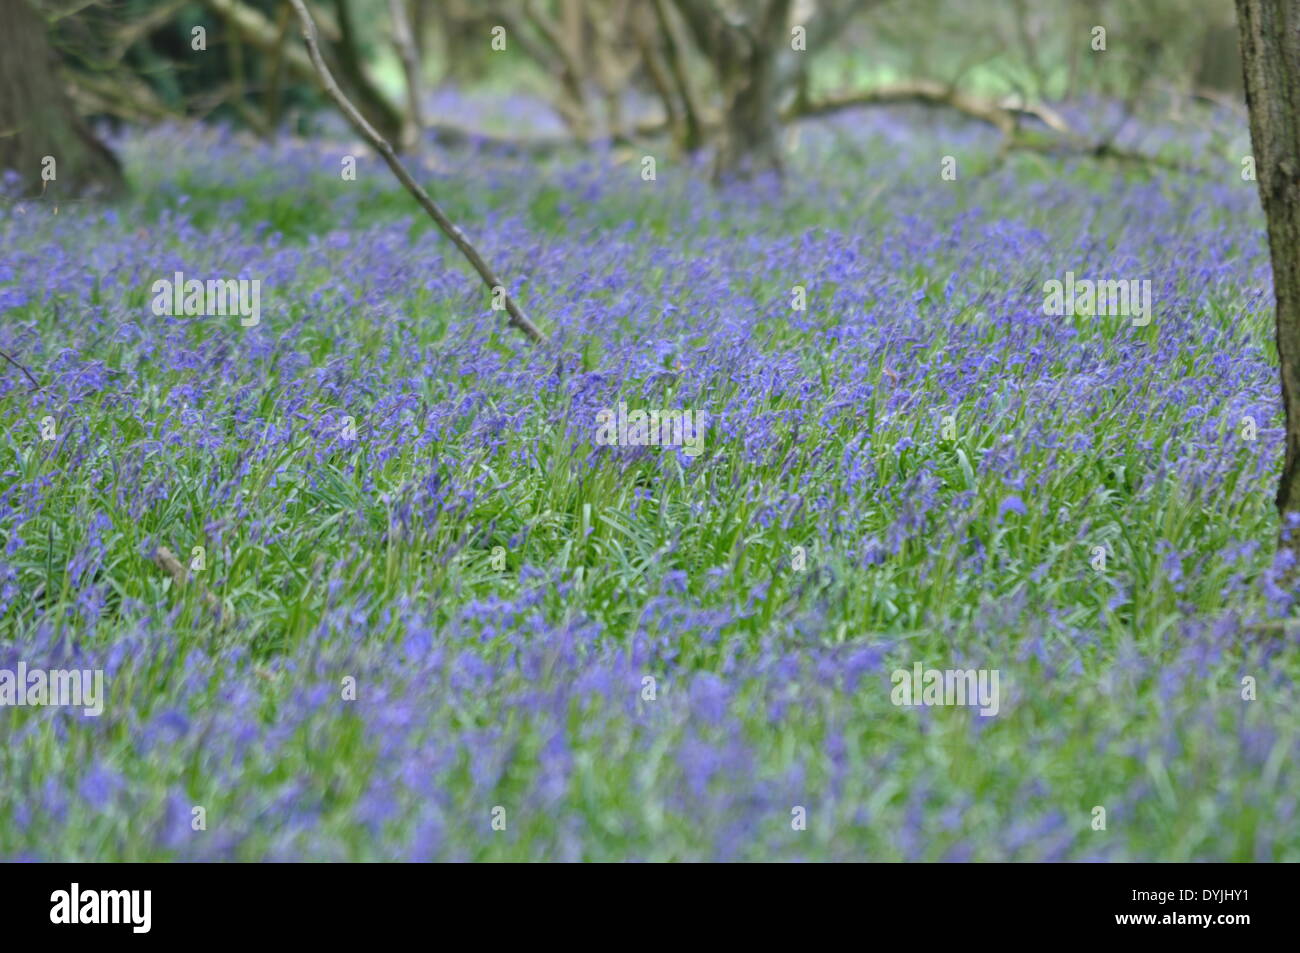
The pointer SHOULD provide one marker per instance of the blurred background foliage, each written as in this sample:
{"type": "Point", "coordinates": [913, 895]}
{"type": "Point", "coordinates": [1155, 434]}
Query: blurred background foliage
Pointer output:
{"type": "Point", "coordinates": [723, 78]}
{"type": "Point", "coordinates": [134, 58]}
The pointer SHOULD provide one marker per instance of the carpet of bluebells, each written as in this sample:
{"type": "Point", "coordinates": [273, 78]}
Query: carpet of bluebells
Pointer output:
{"type": "Point", "coordinates": [371, 557]}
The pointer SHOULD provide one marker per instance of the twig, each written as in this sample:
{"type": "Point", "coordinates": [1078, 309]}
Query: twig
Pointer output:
{"type": "Point", "coordinates": [36, 385]}
{"type": "Point", "coordinates": [381, 145]}
{"type": "Point", "coordinates": [166, 560]}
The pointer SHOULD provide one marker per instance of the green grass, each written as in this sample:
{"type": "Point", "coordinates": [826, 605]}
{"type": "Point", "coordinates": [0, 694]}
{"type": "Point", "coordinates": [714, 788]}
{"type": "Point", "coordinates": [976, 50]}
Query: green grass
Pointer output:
{"type": "Point", "coordinates": [521, 687]}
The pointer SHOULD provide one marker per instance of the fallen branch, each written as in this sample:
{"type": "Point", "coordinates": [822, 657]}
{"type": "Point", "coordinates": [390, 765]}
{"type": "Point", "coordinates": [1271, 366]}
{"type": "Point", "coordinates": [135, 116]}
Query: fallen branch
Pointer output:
{"type": "Point", "coordinates": [166, 560]}
{"type": "Point", "coordinates": [1004, 116]}
{"type": "Point", "coordinates": [36, 385]}
{"type": "Point", "coordinates": [451, 136]}
{"type": "Point", "coordinates": [381, 145]}
{"type": "Point", "coordinates": [926, 93]}
{"type": "Point", "coordinates": [1103, 151]}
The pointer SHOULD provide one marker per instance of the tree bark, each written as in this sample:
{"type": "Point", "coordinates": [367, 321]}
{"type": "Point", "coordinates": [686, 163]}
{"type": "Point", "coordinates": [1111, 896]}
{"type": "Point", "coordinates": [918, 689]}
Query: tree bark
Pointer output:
{"type": "Point", "coordinates": [743, 53]}
{"type": "Point", "coordinates": [409, 54]}
{"type": "Point", "coordinates": [381, 114]}
{"type": "Point", "coordinates": [37, 118]}
{"type": "Point", "coordinates": [1270, 54]}
{"type": "Point", "coordinates": [751, 138]}
{"type": "Point", "coordinates": [692, 135]}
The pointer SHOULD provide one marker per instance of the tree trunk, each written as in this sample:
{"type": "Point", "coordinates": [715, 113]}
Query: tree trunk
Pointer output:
{"type": "Point", "coordinates": [381, 114]}
{"type": "Point", "coordinates": [750, 143]}
{"type": "Point", "coordinates": [37, 120]}
{"type": "Point", "coordinates": [409, 54]}
{"type": "Point", "coordinates": [743, 52]}
{"type": "Point", "coordinates": [1270, 54]}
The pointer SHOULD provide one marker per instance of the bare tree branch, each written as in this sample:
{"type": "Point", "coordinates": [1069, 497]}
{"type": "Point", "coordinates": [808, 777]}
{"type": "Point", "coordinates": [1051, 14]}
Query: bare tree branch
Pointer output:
{"type": "Point", "coordinates": [36, 385]}
{"type": "Point", "coordinates": [924, 93]}
{"type": "Point", "coordinates": [381, 145]}
{"type": "Point", "coordinates": [1001, 115]}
